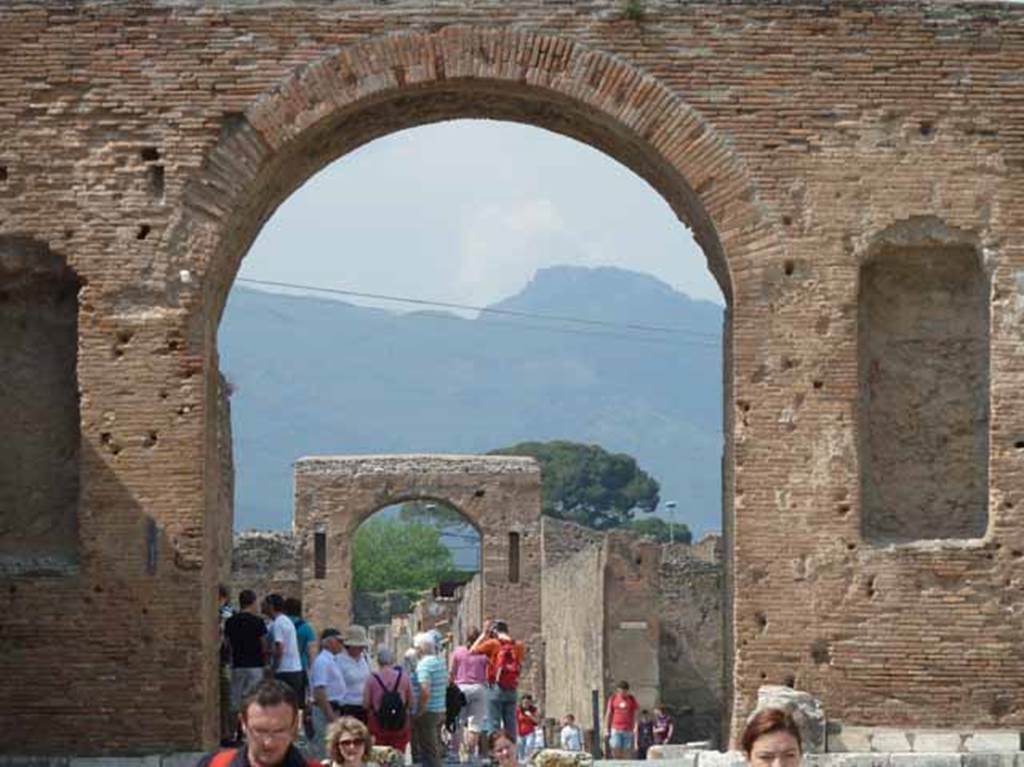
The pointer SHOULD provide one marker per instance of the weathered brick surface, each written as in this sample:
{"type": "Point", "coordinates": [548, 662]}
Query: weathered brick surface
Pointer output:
{"type": "Point", "coordinates": [147, 142]}
{"type": "Point", "coordinates": [499, 495]}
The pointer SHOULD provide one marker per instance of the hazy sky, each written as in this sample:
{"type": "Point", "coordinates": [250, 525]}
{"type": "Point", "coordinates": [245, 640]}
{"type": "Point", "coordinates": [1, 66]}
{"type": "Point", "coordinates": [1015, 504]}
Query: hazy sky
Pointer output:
{"type": "Point", "coordinates": [466, 211]}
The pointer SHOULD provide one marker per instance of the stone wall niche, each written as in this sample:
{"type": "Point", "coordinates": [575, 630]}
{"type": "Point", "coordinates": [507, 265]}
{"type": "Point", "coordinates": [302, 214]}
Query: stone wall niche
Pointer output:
{"type": "Point", "coordinates": [923, 349]}
{"type": "Point", "coordinates": [38, 409]}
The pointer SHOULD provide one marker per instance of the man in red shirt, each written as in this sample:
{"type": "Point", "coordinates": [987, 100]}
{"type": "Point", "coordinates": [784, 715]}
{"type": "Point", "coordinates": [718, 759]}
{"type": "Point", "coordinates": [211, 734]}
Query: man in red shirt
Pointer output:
{"type": "Point", "coordinates": [620, 721]}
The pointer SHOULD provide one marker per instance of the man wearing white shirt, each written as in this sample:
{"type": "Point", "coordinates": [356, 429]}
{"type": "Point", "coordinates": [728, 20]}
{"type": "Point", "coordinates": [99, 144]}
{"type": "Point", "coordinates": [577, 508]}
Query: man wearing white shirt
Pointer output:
{"type": "Point", "coordinates": [328, 689]}
{"type": "Point", "coordinates": [285, 656]}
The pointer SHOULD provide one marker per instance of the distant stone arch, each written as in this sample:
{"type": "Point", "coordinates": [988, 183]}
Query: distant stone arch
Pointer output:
{"type": "Point", "coordinates": [499, 495]}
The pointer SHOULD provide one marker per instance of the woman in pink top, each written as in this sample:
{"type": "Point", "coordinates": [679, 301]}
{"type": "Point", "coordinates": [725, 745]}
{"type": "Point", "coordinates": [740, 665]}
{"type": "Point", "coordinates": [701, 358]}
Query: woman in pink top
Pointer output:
{"type": "Point", "coordinates": [469, 671]}
{"type": "Point", "coordinates": [385, 678]}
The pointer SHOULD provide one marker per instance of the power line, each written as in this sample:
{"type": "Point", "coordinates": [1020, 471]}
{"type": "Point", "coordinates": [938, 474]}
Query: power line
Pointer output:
{"type": "Point", "coordinates": [487, 309]}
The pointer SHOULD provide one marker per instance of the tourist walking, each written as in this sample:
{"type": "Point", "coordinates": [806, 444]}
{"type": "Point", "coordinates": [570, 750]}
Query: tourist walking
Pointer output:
{"type": "Point", "coordinates": [244, 632]}
{"type": "Point", "coordinates": [270, 718]}
{"type": "Point", "coordinates": [468, 670]}
{"type": "Point", "coordinates": [664, 726]}
{"type": "Point", "coordinates": [527, 720]}
{"type": "Point", "coordinates": [570, 738]}
{"type": "Point", "coordinates": [504, 662]}
{"type": "Point", "coordinates": [620, 721]}
{"type": "Point", "coordinates": [348, 743]}
{"type": "Point", "coordinates": [285, 652]}
{"type": "Point", "coordinates": [433, 679]}
{"type": "Point", "coordinates": [643, 733]}
{"type": "Point", "coordinates": [388, 702]}
{"type": "Point", "coordinates": [328, 688]}
{"type": "Point", "coordinates": [305, 635]}
{"type": "Point", "coordinates": [355, 668]}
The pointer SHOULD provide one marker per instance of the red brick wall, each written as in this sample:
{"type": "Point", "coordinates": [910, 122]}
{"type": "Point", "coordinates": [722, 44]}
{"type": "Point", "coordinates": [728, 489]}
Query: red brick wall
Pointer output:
{"type": "Point", "coordinates": [146, 143]}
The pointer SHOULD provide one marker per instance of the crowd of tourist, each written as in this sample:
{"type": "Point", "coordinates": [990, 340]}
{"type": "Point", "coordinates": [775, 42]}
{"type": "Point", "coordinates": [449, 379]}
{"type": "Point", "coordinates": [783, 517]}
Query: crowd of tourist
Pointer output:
{"type": "Point", "coordinates": [292, 698]}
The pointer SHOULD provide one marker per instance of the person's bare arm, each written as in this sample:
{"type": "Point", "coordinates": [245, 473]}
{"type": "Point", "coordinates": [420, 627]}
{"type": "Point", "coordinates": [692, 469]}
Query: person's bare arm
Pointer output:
{"type": "Point", "coordinates": [320, 698]}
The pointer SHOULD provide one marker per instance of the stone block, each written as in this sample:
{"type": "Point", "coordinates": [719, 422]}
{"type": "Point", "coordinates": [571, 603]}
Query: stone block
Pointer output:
{"type": "Point", "coordinates": [895, 741]}
{"type": "Point", "coordinates": [925, 760]}
{"type": "Point", "coordinates": [936, 741]}
{"type": "Point", "coordinates": [718, 759]}
{"type": "Point", "coordinates": [671, 751]}
{"type": "Point", "coordinates": [33, 761]}
{"type": "Point", "coordinates": [991, 759]}
{"type": "Point", "coordinates": [847, 760]}
{"type": "Point", "coordinates": [673, 755]}
{"type": "Point", "coordinates": [804, 707]}
{"type": "Point", "coordinates": [116, 761]}
{"type": "Point", "coordinates": [993, 740]}
{"type": "Point", "coordinates": [842, 738]}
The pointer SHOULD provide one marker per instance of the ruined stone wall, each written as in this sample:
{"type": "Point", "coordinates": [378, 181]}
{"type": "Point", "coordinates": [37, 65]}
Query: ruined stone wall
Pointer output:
{"type": "Point", "coordinates": [267, 563]}
{"type": "Point", "coordinates": [468, 615]}
{"type": "Point", "coordinates": [573, 605]}
{"type": "Point", "coordinates": [691, 644]}
{"type": "Point", "coordinates": [146, 143]}
{"type": "Point", "coordinates": [649, 613]}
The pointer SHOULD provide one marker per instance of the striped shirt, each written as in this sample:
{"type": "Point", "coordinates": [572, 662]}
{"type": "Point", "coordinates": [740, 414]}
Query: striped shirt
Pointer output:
{"type": "Point", "coordinates": [431, 673]}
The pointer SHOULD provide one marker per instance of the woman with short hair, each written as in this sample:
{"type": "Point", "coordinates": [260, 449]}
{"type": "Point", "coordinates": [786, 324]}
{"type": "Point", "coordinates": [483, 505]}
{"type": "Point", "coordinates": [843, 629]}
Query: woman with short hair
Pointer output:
{"type": "Point", "coordinates": [772, 739]}
{"type": "Point", "coordinates": [387, 681]}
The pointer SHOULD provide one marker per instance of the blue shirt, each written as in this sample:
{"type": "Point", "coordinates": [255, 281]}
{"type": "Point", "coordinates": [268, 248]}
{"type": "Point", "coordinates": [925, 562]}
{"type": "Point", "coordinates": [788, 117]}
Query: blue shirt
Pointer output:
{"type": "Point", "coordinates": [431, 673]}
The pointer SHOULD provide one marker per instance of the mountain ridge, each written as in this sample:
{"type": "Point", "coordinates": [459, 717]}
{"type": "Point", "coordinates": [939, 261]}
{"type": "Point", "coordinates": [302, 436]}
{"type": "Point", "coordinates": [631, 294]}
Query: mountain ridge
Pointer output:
{"type": "Point", "coordinates": [321, 376]}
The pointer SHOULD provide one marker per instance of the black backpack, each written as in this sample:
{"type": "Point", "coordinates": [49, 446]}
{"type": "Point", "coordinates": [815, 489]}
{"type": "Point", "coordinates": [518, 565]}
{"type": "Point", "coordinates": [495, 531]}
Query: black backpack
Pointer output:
{"type": "Point", "coordinates": [391, 711]}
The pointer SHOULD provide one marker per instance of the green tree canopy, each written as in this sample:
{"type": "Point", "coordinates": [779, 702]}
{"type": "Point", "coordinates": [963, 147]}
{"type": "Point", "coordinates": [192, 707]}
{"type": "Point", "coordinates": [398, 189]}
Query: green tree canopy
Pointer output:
{"type": "Point", "coordinates": [588, 485]}
{"type": "Point", "coordinates": [662, 531]}
{"type": "Point", "coordinates": [389, 554]}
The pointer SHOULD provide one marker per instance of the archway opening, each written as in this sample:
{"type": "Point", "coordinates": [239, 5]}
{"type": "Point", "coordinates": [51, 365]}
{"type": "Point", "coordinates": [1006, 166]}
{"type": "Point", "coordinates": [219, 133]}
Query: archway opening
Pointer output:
{"type": "Point", "coordinates": [416, 567]}
{"type": "Point", "coordinates": [552, 308]}
{"type": "Point", "coordinates": [693, 172]}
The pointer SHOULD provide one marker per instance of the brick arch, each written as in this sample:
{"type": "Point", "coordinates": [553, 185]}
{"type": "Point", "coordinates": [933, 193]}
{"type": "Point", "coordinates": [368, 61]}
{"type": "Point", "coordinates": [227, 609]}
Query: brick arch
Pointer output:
{"type": "Point", "coordinates": [353, 95]}
{"type": "Point", "coordinates": [498, 495]}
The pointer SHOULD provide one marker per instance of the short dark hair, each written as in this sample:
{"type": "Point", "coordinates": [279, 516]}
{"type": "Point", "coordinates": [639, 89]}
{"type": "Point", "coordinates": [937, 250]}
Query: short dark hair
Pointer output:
{"type": "Point", "coordinates": [501, 626]}
{"type": "Point", "coordinates": [767, 721]}
{"type": "Point", "coordinates": [246, 597]}
{"type": "Point", "coordinates": [623, 685]}
{"type": "Point", "coordinates": [276, 602]}
{"type": "Point", "coordinates": [270, 692]}
{"type": "Point", "coordinates": [293, 606]}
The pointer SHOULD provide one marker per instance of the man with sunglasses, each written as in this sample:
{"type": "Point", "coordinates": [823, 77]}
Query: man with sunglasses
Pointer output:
{"type": "Point", "coordinates": [270, 723]}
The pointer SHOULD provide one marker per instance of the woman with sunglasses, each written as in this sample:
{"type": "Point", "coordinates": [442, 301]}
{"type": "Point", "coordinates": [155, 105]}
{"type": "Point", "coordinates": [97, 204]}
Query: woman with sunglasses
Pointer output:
{"type": "Point", "coordinates": [348, 742]}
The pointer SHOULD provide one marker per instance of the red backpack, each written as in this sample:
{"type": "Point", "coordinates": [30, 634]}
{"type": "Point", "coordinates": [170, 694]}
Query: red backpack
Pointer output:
{"type": "Point", "coordinates": [506, 666]}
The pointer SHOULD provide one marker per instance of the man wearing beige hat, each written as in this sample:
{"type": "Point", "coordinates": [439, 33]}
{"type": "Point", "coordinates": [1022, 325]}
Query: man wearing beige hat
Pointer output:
{"type": "Point", "coordinates": [355, 669]}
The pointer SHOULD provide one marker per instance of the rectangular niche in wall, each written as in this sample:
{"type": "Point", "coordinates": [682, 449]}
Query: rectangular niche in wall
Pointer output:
{"type": "Point", "coordinates": [38, 408]}
{"type": "Point", "coordinates": [924, 393]}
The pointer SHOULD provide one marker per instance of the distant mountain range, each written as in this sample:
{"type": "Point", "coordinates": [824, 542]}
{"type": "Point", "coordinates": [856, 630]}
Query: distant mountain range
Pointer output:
{"type": "Point", "coordinates": [316, 376]}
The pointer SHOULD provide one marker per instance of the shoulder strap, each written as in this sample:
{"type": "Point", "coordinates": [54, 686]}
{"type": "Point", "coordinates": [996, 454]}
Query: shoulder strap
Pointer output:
{"type": "Point", "coordinates": [398, 678]}
{"type": "Point", "coordinates": [223, 758]}
{"type": "Point", "coordinates": [380, 681]}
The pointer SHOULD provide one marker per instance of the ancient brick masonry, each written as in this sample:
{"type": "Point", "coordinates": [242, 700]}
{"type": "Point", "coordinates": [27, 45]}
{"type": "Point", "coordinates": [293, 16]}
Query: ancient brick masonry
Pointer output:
{"type": "Point", "coordinates": [143, 145]}
{"type": "Point", "coordinates": [499, 495]}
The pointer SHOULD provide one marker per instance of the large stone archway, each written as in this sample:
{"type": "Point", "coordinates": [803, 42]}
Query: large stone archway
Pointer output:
{"type": "Point", "coordinates": [499, 495]}
{"type": "Point", "coordinates": [143, 145]}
